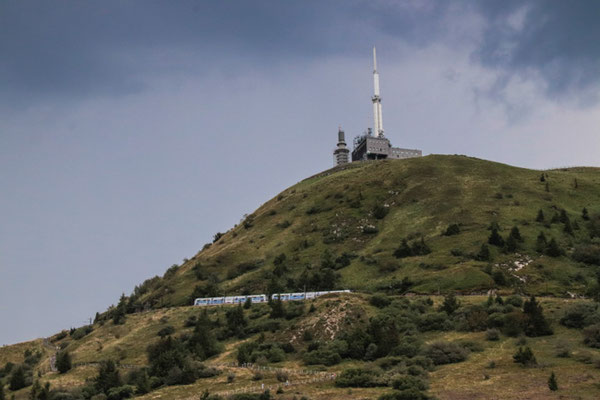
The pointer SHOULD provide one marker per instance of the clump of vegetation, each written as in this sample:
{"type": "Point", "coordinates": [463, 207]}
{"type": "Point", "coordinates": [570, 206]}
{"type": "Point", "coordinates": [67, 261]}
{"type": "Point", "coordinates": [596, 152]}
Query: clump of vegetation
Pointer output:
{"type": "Point", "coordinates": [446, 353]}
{"type": "Point", "coordinates": [525, 357]}
{"type": "Point", "coordinates": [451, 230]}
{"type": "Point", "coordinates": [417, 248]}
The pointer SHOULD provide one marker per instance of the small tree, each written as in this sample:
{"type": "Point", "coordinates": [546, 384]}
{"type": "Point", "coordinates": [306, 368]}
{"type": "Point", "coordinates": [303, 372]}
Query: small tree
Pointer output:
{"type": "Point", "coordinates": [248, 303]}
{"type": "Point", "coordinates": [552, 384]}
{"type": "Point", "coordinates": [553, 249]}
{"type": "Point", "coordinates": [542, 178]}
{"type": "Point", "coordinates": [450, 304]}
{"type": "Point", "coordinates": [584, 214]}
{"type": "Point", "coordinates": [540, 216]}
{"type": "Point", "coordinates": [63, 361]}
{"type": "Point", "coordinates": [404, 250]}
{"type": "Point", "coordinates": [277, 309]}
{"type": "Point", "coordinates": [495, 239]}
{"type": "Point", "coordinates": [484, 253]}
{"type": "Point", "coordinates": [536, 324]}
{"type": "Point", "coordinates": [17, 379]}
{"type": "Point", "coordinates": [524, 356]}
{"type": "Point", "coordinates": [541, 243]}
{"type": "Point", "coordinates": [514, 233]}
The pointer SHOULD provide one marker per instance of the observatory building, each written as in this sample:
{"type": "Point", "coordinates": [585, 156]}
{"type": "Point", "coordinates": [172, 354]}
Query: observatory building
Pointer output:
{"type": "Point", "coordinates": [372, 145]}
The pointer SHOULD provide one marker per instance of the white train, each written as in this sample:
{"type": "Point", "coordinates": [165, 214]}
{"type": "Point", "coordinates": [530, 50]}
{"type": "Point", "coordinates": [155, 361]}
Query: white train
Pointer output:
{"type": "Point", "coordinates": [261, 298]}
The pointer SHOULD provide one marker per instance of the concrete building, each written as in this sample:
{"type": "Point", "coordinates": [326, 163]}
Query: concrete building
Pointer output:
{"type": "Point", "coordinates": [372, 145]}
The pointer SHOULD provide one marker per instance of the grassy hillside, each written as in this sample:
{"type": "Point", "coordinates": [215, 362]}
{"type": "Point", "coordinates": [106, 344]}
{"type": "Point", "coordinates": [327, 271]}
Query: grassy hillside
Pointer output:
{"type": "Point", "coordinates": [400, 234]}
{"type": "Point", "coordinates": [363, 211]}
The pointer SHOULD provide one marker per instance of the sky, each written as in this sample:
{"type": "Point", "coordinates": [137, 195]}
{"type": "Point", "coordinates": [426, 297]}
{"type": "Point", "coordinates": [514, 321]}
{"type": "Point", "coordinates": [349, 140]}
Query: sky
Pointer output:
{"type": "Point", "coordinates": [132, 131]}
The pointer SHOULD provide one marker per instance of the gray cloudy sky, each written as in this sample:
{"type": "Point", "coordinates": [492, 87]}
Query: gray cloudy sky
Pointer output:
{"type": "Point", "coordinates": [132, 131]}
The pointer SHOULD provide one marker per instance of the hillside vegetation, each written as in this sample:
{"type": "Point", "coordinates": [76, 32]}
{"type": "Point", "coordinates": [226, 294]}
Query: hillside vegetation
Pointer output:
{"type": "Point", "coordinates": [342, 228]}
{"type": "Point", "coordinates": [405, 236]}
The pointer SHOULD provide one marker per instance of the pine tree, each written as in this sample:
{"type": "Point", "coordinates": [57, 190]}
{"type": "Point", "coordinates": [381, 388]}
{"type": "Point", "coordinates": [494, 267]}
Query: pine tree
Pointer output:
{"type": "Point", "coordinates": [553, 249]}
{"type": "Point", "coordinates": [552, 384]}
{"type": "Point", "coordinates": [484, 253]}
{"type": "Point", "coordinates": [540, 216]}
{"type": "Point", "coordinates": [568, 228]}
{"type": "Point", "coordinates": [118, 316]}
{"type": "Point", "coordinates": [511, 245]}
{"type": "Point", "coordinates": [542, 178]}
{"type": "Point", "coordinates": [450, 304]}
{"type": "Point", "coordinates": [108, 377]}
{"type": "Point", "coordinates": [536, 324]}
{"type": "Point", "coordinates": [584, 214]}
{"type": "Point", "coordinates": [541, 243]}
{"type": "Point", "coordinates": [495, 238]}
{"type": "Point", "coordinates": [514, 232]}
{"type": "Point", "coordinates": [564, 217]}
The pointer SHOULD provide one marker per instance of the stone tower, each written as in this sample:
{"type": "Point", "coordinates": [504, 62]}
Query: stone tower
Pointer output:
{"type": "Point", "coordinates": [341, 155]}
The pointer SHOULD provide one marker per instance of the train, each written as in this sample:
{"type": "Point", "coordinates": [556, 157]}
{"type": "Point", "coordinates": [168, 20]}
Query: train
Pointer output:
{"type": "Point", "coordinates": [262, 298]}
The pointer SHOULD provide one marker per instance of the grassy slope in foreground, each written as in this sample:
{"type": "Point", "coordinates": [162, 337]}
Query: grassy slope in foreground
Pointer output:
{"type": "Point", "coordinates": [329, 212]}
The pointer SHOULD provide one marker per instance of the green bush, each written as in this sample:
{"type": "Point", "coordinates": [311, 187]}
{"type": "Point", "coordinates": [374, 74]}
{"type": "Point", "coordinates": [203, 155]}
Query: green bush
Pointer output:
{"type": "Point", "coordinates": [446, 353]}
{"type": "Point", "coordinates": [452, 229]}
{"type": "Point", "coordinates": [591, 336]}
{"type": "Point", "coordinates": [492, 334]}
{"type": "Point", "coordinates": [589, 254]}
{"type": "Point", "coordinates": [380, 300]}
{"type": "Point", "coordinates": [524, 356]}
{"type": "Point", "coordinates": [409, 382]}
{"type": "Point", "coordinates": [63, 361]}
{"type": "Point", "coordinates": [359, 377]}
{"type": "Point", "coordinates": [580, 315]}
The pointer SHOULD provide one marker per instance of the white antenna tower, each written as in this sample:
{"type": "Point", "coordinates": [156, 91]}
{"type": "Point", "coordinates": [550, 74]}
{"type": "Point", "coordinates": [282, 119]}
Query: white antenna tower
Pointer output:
{"type": "Point", "coordinates": [377, 117]}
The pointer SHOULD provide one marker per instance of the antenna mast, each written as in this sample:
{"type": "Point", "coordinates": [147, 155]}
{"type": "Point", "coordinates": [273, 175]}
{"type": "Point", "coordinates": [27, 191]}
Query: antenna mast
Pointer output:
{"type": "Point", "coordinates": [377, 117]}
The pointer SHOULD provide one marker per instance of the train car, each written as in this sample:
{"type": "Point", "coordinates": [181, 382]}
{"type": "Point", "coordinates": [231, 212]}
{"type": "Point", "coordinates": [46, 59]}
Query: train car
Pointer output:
{"type": "Point", "coordinates": [261, 298]}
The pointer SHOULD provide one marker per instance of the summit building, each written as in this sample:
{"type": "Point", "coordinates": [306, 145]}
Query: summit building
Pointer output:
{"type": "Point", "coordinates": [372, 145]}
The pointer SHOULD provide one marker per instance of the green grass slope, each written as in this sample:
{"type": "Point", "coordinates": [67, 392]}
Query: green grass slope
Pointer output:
{"type": "Point", "coordinates": [335, 213]}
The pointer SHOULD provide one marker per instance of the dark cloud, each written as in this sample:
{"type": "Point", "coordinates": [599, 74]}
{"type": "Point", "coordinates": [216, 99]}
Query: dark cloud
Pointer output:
{"type": "Point", "coordinates": [75, 48]}
{"type": "Point", "coordinates": [556, 39]}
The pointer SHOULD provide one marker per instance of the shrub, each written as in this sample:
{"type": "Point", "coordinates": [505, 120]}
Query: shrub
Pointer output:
{"type": "Point", "coordinates": [552, 384]}
{"type": "Point", "coordinates": [492, 334]}
{"type": "Point", "coordinates": [282, 376]}
{"type": "Point", "coordinates": [409, 382]}
{"type": "Point", "coordinates": [446, 353]}
{"type": "Point", "coordinates": [358, 377]}
{"type": "Point", "coordinates": [514, 300]}
{"type": "Point", "coordinates": [452, 229]}
{"type": "Point", "coordinates": [591, 336]}
{"type": "Point", "coordinates": [580, 315]}
{"type": "Point", "coordinates": [166, 331]}
{"type": "Point", "coordinates": [525, 356]}
{"type": "Point", "coordinates": [380, 300]}
{"type": "Point", "coordinates": [408, 394]}
{"type": "Point", "coordinates": [450, 304]}
{"type": "Point", "coordinates": [63, 361]}
{"type": "Point", "coordinates": [589, 254]}
{"type": "Point", "coordinates": [380, 211]}
{"type": "Point", "coordinates": [18, 379]}
{"type": "Point", "coordinates": [121, 392]}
